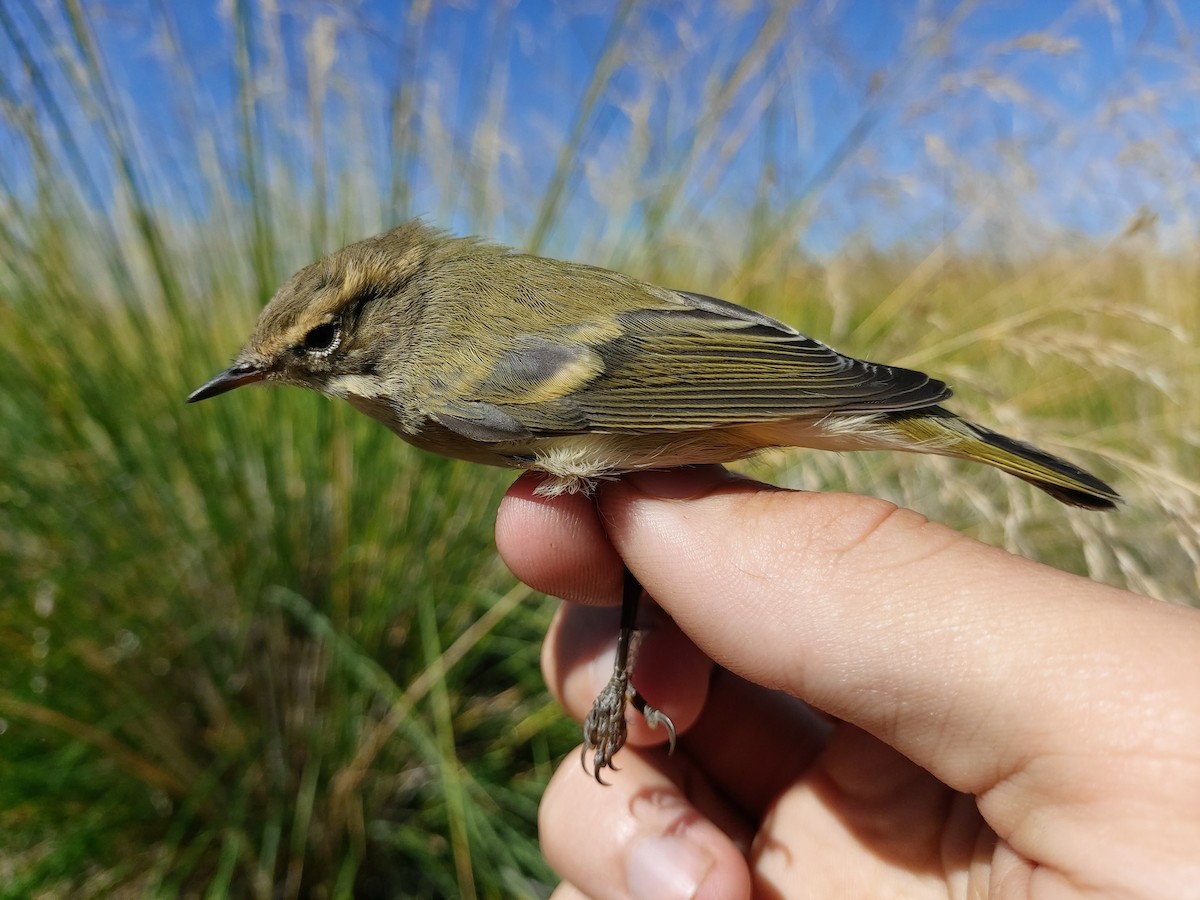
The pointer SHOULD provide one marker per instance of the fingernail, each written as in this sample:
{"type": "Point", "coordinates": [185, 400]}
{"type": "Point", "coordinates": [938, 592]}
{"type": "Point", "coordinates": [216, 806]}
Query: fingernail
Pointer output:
{"type": "Point", "coordinates": [681, 484]}
{"type": "Point", "coordinates": [666, 867]}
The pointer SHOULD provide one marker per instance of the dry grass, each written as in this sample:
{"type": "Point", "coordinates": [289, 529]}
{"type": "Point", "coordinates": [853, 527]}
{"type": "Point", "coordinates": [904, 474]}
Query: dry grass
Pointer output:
{"type": "Point", "coordinates": [241, 642]}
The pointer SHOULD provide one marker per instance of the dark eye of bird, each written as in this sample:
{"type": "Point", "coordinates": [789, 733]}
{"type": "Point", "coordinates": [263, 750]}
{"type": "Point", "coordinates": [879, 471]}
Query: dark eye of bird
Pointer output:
{"type": "Point", "coordinates": [322, 339]}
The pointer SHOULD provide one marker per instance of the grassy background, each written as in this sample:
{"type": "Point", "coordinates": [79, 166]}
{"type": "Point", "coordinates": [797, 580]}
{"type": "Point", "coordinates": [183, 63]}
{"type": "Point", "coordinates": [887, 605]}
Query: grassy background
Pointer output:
{"type": "Point", "coordinates": [261, 647]}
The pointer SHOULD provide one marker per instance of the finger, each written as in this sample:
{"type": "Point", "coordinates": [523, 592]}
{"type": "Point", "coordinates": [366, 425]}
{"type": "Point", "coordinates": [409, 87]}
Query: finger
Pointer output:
{"type": "Point", "coordinates": [557, 545]}
{"type": "Point", "coordinates": [939, 645]}
{"type": "Point", "coordinates": [670, 672]}
{"type": "Point", "coordinates": [641, 836]}
{"type": "Point", "coordinates": [753, 743]}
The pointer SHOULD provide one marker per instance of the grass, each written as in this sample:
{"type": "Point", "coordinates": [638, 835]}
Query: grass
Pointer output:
{"type": "Point", "coordinates": [261, 647]}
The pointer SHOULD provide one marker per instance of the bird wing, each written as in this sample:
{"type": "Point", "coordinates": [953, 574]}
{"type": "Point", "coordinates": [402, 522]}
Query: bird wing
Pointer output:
{"type": "Point", "coordinates": [683, 362]}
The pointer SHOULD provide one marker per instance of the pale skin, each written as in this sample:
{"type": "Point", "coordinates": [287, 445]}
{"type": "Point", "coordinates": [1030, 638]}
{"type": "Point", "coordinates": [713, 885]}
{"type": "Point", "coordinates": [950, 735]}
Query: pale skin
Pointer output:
{"type": "Point", "coordinates": [869, 704]}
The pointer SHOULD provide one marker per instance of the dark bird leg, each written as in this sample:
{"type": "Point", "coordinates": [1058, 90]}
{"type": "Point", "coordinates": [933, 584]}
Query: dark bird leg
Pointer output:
{"type": "Point", "coordinates": [604, 730]}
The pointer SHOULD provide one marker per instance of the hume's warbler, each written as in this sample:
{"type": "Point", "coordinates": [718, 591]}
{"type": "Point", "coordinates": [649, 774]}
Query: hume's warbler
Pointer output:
{"type": "Point", "coordinates": [475, 351]}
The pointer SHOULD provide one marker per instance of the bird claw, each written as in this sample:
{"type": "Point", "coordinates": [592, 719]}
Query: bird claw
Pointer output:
{"type": "Point", "coordinates": [605, 728]}
{"type": "Point", "coordinates": [655, 717]}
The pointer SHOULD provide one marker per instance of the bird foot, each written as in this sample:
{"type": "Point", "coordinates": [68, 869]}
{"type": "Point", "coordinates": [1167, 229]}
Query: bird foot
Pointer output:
{"type": "Point", "coordinates": [605, 728]}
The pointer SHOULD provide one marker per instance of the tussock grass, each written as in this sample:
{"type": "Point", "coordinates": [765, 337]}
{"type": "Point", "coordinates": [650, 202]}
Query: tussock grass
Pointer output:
{"type": "Point", "coordinates": [261, 647]}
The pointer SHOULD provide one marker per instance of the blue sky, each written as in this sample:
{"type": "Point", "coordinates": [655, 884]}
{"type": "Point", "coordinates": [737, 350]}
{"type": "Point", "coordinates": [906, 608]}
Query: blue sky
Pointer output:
{"type": "Point", "coordinates": [865, 120]}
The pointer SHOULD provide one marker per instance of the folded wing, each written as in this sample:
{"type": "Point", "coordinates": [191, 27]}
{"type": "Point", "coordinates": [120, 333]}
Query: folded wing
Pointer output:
{"type": "Point", "coordinates": [682, 362]}
{"type": "Point", "coordinates": [709, 363]}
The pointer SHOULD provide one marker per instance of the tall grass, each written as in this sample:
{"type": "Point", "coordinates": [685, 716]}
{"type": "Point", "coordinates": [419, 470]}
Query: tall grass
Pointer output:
{"type": "Point", "coordinates": [261, 647]}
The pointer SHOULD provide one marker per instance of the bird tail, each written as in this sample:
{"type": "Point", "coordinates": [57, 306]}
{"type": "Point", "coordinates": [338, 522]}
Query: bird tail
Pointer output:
{"type": "Point", "coordinates": [937, 430]}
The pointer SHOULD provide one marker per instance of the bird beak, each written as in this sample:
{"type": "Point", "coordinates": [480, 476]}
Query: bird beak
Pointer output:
{"type": "Point", "coordinates": [233, 377]}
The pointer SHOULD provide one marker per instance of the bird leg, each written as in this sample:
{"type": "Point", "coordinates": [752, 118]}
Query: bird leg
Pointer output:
{"type": "Point", "coordinates": [604, 729]}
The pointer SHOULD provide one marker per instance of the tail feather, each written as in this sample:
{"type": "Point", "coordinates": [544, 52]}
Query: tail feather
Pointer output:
{"type": "Point", "coordinates": [940, 431]}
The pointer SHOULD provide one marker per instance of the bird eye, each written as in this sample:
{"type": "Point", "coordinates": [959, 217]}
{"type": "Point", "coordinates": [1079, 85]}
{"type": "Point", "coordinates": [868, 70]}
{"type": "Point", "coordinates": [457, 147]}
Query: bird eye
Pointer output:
{"type": "Point", "coordinates": [323, 339]}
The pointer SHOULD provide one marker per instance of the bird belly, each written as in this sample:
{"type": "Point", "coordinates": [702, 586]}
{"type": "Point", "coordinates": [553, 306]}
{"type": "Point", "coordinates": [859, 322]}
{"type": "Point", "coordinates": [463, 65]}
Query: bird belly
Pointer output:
{"type": "Point", "coordinates": [574, 463]}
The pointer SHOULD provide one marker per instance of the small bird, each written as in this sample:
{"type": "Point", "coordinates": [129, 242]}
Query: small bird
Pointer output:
{"type": "Point", "coordinates": [475, 351]}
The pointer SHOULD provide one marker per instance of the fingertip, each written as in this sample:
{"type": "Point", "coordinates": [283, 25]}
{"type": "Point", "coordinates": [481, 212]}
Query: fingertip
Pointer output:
{"type": "Point", "coordinates": [557, 545]}
{"type": "Point", "coordinates": [640, 837]}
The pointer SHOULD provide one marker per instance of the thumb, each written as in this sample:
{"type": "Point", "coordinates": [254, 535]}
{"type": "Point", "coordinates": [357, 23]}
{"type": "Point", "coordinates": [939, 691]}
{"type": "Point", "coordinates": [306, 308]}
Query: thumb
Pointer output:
{"type": "Point", "coordinates": [960, 655]}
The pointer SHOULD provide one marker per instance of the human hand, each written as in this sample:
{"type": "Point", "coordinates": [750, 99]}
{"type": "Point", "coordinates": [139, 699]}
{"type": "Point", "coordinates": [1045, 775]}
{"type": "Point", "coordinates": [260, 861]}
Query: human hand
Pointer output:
{"type": "Point", "coordinates": [869, 704]}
